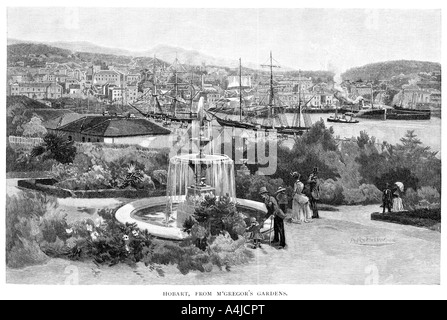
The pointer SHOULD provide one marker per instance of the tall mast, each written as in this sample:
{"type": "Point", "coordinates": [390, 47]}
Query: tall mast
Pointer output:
{"type": "Point", "coordinates": [240, 87]}
{"type": "Point", "coordinates": [271, 80]}
{"type": "Point", "coordinates": [299, 99]}
{"type": "Point", "coordinates": [154, 74]}
{"type": "Point", "coordinates": [191, 92]}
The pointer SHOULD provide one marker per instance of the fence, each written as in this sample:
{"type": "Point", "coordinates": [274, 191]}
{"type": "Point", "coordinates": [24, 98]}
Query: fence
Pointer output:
{"type": "Point", "coordinates": [24, 142]}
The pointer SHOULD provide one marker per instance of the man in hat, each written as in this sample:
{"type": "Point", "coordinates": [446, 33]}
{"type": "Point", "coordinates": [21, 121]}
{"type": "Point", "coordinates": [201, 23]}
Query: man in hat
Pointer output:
{"type": "Point", "coordinates": [273, 210]}
{"type": "Point", "coordinates": [314, 195]}
{"type": "Point", "coordinates": [387, 198]}
{"type": "Point", "coordinates": [282, 199]}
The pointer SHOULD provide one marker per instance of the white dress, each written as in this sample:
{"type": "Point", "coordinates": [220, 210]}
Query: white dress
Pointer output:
{"type": "Point", "coordinates": [301, 211]}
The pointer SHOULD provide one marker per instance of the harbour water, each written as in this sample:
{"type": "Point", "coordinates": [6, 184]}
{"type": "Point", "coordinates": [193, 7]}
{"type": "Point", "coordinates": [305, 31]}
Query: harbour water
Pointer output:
{"type": "Point", "coordinates": [391, 131]}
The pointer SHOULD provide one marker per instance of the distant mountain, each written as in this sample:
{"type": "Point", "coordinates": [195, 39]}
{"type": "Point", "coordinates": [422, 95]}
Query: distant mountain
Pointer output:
{"type": "Point", "coordinates": [389, 69]}
{"type": "Point", "coordinates": [85, 46]}
{"type": "Point", "coordinates": [164, 52]}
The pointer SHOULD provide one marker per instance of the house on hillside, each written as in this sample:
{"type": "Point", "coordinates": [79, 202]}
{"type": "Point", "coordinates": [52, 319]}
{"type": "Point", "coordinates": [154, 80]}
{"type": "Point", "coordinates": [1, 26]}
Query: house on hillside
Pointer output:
{"type": "Point", "coordinates": [107, 76]}
{"type": "Point", "coordinates": [113, 130]}
{"type": "Point", "coordinates": [36, 90]}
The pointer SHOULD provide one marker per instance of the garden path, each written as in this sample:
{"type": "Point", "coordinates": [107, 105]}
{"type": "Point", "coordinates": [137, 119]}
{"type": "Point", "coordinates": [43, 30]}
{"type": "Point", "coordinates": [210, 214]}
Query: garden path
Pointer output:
{"type": "Point", "coordinates": [343, 247]}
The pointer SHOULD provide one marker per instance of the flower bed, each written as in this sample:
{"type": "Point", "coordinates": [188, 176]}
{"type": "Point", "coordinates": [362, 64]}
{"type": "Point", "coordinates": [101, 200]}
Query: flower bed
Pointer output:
{"type": "Point", "coordinates": [423, 218]}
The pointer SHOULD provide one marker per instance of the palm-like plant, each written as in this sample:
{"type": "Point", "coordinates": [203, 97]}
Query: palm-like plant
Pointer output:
{"type": "Point", "coordinates": [133, 177]}
{"type": "Point", "coordinates": [57, 147]}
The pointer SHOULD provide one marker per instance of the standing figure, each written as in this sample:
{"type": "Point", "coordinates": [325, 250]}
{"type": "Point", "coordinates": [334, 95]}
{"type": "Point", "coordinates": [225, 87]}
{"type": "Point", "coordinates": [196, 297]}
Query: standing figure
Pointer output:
{"type": "Point", "coordinates": [255, 232]}
{"type": "Point", "coordinates": [282, 199]}
{"type": "Point", "coordinates": [300, 209]}
{"type": "Point", "coordinates": [274, 211]}
{"type": "Point", "coordinates": [397, 197]}
{"type": "Point", "coordinates": [314, 193]}
{"type": "Point", "coordinates": [387, 198]}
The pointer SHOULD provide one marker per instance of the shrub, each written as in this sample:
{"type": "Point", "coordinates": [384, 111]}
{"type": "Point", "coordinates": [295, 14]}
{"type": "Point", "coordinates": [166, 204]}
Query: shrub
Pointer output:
{"type": "Point", "coordinates": [223, 253]}
{"type": "Point", "coordinates": [331, 192]}
{"type": "Point", "coordinates": [57, 147]}
{"type": "Point", "coordinates": [365, 194]}
{"type": "Point", "coordinates": [216, 216]}
{"type": "Point", "coordinates": [23, 215]}
{"type": "Point", "coordinates": [426, 197]}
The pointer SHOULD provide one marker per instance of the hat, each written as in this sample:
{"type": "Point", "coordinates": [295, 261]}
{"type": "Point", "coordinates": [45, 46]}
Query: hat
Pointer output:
{"type": "Point", "coordinates": [281, 189]}
{"type": "Point", "coordinates": [296, 175]}
{"type": "Point", "coordinates": [263, 190]}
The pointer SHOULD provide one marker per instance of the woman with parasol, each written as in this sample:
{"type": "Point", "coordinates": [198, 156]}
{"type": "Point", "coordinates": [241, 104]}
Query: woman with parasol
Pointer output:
{"type": "Point", "coordinates": [397, 197]}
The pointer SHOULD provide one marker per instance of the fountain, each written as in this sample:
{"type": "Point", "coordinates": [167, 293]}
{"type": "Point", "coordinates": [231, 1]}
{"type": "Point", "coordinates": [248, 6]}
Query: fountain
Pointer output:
{"type": "Point", "coordinates": [191, 177]}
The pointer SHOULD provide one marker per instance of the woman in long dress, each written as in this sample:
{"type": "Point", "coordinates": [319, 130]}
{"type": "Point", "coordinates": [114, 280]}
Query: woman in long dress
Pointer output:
{"type": "Point", "coordinates": [300, 209]}
{"type": "Point", "coordinates": [397, 197]}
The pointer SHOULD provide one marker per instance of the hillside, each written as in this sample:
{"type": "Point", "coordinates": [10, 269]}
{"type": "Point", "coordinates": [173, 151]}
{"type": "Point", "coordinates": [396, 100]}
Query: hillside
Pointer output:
{"type": "Point", "coordinates": [20, 110]}
{"type": "Point", "coordinates": [22, 51]}
{"type": "Point", "coordinates": [387, 70]}
{"type": "Point", "coordinates": [166, 53]}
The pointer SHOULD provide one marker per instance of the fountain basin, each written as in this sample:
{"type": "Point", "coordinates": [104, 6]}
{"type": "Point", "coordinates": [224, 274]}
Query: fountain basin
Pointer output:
{"type": "Point", "coordinates": [150, 215]}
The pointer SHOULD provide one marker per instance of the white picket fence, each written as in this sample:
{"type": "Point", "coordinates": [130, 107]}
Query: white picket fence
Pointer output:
{"type": "Point", "coordinates": [24, 142]}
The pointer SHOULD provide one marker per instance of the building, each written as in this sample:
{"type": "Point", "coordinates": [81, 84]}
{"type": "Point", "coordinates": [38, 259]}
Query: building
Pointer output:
{"type": "Point", "coordinates": [107, 77]}
{"type": "Point", "coordinates": [74, 89]}
{"type": "Point", "coordinates": [435, 98]}
{"type": "Point", "coordinates": [36, 90]}
{"type": "Point", "coordinates": [112, 130]}
{"type": "Point", "coordinates": [133, 78]}
{"type": "Point", "coordinates": [411, 96]}
{"type": "Point", "coordinates": [363, 90]}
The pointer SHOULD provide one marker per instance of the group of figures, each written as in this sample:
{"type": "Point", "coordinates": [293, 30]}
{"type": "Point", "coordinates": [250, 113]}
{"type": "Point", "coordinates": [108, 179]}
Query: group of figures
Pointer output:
{"type": "Point", "coordinates": [392, 198]}
{"type": "Point", "coordinates": [304, 208]}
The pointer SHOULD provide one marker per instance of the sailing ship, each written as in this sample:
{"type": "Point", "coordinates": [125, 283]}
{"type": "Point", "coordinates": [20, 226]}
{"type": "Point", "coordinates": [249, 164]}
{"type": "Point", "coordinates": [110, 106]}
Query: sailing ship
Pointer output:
{"type": "Point", "coordinates": [275, 120]}
{"type": "Point", "coordinates": [242, 123]}
{"type": "Point", "coordinates": [276, 116]}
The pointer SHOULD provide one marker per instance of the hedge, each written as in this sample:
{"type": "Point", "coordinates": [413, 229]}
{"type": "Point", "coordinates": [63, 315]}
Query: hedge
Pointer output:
{"type": "Point", "coordinates": [104, 193]}
{"type": "Point", "coordinates": [424, 218]}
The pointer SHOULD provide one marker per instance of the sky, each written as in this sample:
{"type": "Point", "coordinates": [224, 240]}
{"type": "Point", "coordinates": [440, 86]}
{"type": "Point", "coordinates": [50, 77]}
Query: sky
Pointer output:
{"type": "Point", "coordinates": [307, 39]}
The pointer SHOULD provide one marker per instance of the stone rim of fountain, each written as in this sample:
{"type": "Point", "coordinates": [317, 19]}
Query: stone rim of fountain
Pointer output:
{"type": "Point", "coordinates": [126, 214]}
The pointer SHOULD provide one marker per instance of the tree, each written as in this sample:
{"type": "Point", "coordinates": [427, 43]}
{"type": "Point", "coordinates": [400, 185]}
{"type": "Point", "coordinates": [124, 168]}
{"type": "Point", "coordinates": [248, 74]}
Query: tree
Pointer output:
{"type": "Point", "coordinates": [57, 147]}
{"type": "Point", "coordinates": [34, 128]}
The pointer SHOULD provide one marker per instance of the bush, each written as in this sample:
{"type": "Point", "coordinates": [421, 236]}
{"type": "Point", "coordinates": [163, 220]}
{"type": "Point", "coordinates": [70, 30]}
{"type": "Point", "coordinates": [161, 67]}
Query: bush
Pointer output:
{"type": "Point", "coordinates": [21, 161]}
{"type": "Point", "coordinates": [366, 194]}
{"type": "Point", "coordinates": [223, 253]}
{"type": "Point", "coordinates": [23, 217]}
{"type": "Point", "coordinates": [214, 217]}
{"type": "Point", "coordinates": [331, 192]}
{"type": "Point", "coordinates": [247, 187]}
{"type": "Point", "coordinates": [106, 168]}
{"type": "Point", "coordinates": [426, 197]}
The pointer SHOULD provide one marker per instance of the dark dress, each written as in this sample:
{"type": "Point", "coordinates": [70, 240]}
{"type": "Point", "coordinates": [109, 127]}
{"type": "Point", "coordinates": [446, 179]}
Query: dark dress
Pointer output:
{"type": "Point", "coordinates": [313, 191]}
{"type": "Point", "coordinates": [278, 226]}
{"type": "Point", "coordinates": [387, 199]}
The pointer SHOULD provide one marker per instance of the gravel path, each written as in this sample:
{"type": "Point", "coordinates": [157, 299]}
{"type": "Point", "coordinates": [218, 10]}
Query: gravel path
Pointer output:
{"type": "Point", "coordinates": [343, 247]}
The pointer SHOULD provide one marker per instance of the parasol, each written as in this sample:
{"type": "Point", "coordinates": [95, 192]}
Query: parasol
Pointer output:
{"type": "Point", "coordinates": [400, 185]}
